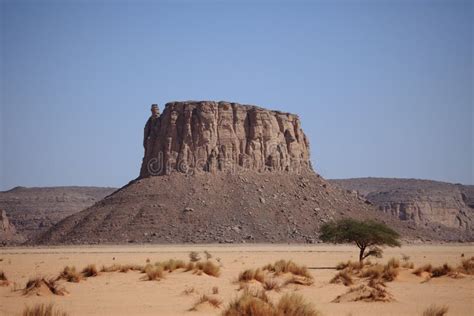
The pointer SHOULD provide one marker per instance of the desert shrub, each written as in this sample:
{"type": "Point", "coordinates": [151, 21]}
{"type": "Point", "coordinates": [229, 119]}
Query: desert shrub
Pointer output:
{"type": "Point", "coordinates": [3, 279]}
{"type": "Point", "coordinates": [350, 266]}
{"type": "Point", "coordinates": [342, 277]}
{"type": "Point", "coordinates": [189, 267]}
{"type": "Point", "coordinates": [365, 293]}
{"type": "Point", "coordinates": [213, 301]}
{"type": "Point", "coordinates": [251, 274]}
{"type": "Point", "coordinates": [250, 304]}
{"type": "Point", "coordinates": [70, 275]}
{"type": "Point", "coordinates": [390, 273]}
{"type": "Point", "coordinates": [215, 290]}
{"type": "Point", "coordinates": [258, 304]}
{"type": "Point", "coordinates": [37, 282]}
{"type": "Point", "coordinates": [208, 255]}
{"type": "Point", "coordinates": [283, 266]}
{"type": "Point", "coordinates": [154, 273]}
{"type": "Point", "coordinates": [43, 310]}
{"type": "Point", "coordinates": [408, 265]}
{"type": "Point", "coordinates": [467, 266]}
{"type": "Point", "coordinates": [208, 268]}
{"type": "Point", "coordinates": [445, 269]}
{"type": "Point", "coordinates": [90, 271]}
{"type": "Point", "coordinates": [394, 263]}
{"type": "Point", "coordinates": [405, 258]}
{"type": "Point", "coordinates": [147, 267]}
{"type": "Point", "coordinates": [194, 256]}
{"type": "Point", "coordinates": [294, 305]}
{"type": "Point", "coordinates": [434, 310]}
{"type": "Point", "coordinates": [425, 268]}
{"type": "Point", "coordinates": [270, 284]}
{"type": "Point", "coordinates": [172, 265]}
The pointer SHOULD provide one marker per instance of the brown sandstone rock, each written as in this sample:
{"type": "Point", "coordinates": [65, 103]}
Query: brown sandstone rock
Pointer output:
{"type": "Point", "coordinates": [221, 136]}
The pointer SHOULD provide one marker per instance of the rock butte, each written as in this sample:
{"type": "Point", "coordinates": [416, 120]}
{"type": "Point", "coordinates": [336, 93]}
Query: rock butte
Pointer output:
{"type": "Point", "coordinates": [222, 136]}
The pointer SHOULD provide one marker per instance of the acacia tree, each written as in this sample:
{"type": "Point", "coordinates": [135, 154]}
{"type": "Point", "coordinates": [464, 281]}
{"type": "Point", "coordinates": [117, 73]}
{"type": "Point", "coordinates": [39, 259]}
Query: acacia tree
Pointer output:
{"type": "Point", "coordinates": [367, 235]}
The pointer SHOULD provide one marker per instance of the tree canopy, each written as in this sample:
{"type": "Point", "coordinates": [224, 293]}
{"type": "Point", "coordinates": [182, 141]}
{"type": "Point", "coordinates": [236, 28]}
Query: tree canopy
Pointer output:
{"type": "Point", "coordinates": [365, 234]}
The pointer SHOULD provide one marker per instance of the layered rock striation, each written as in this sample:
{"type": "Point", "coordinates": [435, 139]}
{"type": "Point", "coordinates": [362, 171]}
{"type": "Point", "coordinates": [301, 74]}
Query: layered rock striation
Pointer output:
{"type": "Point", "coordinates": [209, 136]}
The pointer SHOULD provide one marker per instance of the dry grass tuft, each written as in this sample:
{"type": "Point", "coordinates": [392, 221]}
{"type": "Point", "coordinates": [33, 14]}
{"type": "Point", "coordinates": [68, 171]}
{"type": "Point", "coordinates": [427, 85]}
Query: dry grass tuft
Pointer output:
{"type": "Point", "coordinates": [467, 266]}
{"type": "Point", "coordinates": [172, 265]}
{"type": "Point", "coordinates": [298, 280]}
{"type": "Point", "coordinates": [154, 273]}
{"type": "Point", "coordinates": [258, 304]}
{"type": "Point", "coordinates": [408, 265]}
{"type": "Point", "coordinates": [426, 268]}
{"type": "Point", "coordinates": [342, 277]}
{"type": "Point", "coordinates": [208, 268]}
{"type": "Point", "coordinates": [190, 267]}
{"type": "Point", "coordinates": [434, 310]}
{"type": "Point", "coordinates": [251, 274]}
{"type": "Point", "coordinates": [283, 266]}
{"type": "Point", "coordinates": [443, 270]}
{"type": "Point", "coordinates": [34, 285]}
{"type": "Point", "coordinates": [270, 284]}
{"type": "Point", "coordinates": [215, 290]}
{"type": "Point", "coordinates": [294, 305]}
{"type": "Point", "coordinates": [194, 256]}
{"type": "Point", "coordinates": [207, 254]}
{"type": "Point", "coordinates": [70, 275]}
{"type": "Point", "coordinates": [393, 263]}
{"type": "Point", "coordinates": [3, 279]}
{"type": "Point", "coordinates": [211, 300]}
{"type": "Point", "coordinates": [90, 271]}
{"type": "Point", "coordinates": [189, 291]}
{"type": "Point", "coordinates": [351, 266]}
{"type": "Point", "coordinates": [43, 310]}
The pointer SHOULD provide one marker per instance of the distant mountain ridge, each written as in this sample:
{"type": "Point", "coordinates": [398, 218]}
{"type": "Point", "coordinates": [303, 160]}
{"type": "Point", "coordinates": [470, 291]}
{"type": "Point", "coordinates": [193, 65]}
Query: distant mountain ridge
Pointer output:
{"type": "Point", "coordinates": [32, 211]}
{"type": "Point", "coordinates": [420, 201]}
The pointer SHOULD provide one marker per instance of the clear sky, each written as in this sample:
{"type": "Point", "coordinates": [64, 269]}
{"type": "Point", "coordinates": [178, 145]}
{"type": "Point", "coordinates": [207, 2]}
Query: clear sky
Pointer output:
{"type": "Point", "coordinates": [384, 88]}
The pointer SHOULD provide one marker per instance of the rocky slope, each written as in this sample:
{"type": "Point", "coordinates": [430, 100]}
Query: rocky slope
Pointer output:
{"type": "Point", "coordinates": [225, 173]}
{"type": "Point", "coordinates": [33, 210]}
{"type": "Point", "coordinates": [422, 202]}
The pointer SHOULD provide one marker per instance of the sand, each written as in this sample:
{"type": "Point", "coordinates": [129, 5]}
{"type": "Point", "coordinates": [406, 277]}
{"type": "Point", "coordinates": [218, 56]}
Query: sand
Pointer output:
{"type": "Point", "coordinates": [125, 294]}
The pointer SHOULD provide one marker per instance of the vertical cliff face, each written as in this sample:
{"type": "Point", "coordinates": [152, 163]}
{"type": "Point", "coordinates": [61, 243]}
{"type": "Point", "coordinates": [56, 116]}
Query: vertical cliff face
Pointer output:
{"type": "Point", "coordinates": [211, 136]}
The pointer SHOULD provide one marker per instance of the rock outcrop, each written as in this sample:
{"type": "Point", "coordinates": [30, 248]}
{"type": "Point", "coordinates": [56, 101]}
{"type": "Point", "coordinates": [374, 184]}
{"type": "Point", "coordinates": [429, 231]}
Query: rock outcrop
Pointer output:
{"type": "Point", "coordinates": [8, 233]}
{"type": "Point", "coordinates": [422, 202]}
{"type": "Point", "coordinates": [212, 136]}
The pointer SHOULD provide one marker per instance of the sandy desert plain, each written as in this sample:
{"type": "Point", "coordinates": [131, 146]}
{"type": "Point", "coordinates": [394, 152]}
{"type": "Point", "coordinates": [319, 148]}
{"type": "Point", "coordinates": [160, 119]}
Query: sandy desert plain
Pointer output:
{"type": "Point", "coordinates": [176, 293]}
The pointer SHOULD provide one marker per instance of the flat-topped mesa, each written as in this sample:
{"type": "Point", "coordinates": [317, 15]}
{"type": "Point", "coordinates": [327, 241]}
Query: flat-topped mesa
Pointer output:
{"type": "Point", "coordinates": [209, 136]}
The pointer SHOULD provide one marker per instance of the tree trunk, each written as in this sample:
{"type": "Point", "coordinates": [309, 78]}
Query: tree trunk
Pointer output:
{"type": "Point", "coordinates": [361, 254]}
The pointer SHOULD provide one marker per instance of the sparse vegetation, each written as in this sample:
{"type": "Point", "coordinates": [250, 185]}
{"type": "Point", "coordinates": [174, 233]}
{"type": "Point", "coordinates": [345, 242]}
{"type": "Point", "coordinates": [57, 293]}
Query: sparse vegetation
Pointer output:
{"type": "Point", "coordinates": [70, 275]}
{"type": "Point", "coordinates": [208, 268]}
{"type": "Point", "coordinates": [3, 279]}
{"type": "Point", "coordinates": [258, 304]}
{"type": "Point", "coordinates": [367, 235]}
{"type": "Point", "coordinates": [43, 310]}
{"type": "Point", "coordinates": [342, 277]}
{"type": "Point", "coordinates": [283, 266]}
{"type": "Point", "coordinates": [194, 256]}
{"type": "Point", "coordinates": [90, 271]}
{"type": "Point", "coordinates": [434, 310]}
{"type": "Point", "coordinates": [211, 300]}
{"type": "Point", "coordinates": [38, 283]}
{"type": "Point", "coordinates": [172, 265]}
{"type": "Point", "coordinates": [215, 290]}
{"type": "Point", "coordinates": [376, 293]}
{"type": "Point", "coordinates": [425, 268]}
{"type": "Point", "coordinates": [251, 274]}
{"type": "Point", "coordinates": [270, 284]}
{"type": "Point", "coordinates": [207, 254]}
{"type": "Point", "coordinates": [445, 269]}
{"type": "Point", "coordinates": [154, 273]}
{"type": "Point", "coordinates": [467, 266]}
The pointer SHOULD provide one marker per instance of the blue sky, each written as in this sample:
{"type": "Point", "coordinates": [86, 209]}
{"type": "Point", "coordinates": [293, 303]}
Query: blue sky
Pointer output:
{"type": "Point", "coordinates": [384, 88]}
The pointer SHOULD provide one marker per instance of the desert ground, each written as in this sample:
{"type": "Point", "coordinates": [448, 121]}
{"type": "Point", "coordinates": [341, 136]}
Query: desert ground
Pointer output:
{"type": "Point", "coordinates": [116, 293]}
